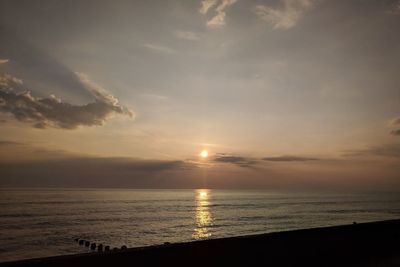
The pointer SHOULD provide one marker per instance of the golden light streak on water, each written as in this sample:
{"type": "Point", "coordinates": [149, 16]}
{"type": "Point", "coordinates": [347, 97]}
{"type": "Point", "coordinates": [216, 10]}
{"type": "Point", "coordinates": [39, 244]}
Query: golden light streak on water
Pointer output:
{"type": "Point", "coordinates": [203, 216]}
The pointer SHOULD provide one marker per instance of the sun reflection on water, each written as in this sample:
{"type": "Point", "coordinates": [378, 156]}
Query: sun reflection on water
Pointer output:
{"type": "Point", "coordinates": [203, 218]}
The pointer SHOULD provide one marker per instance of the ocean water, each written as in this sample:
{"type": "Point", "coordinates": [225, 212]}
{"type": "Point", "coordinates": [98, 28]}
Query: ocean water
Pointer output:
{"type": "Point", "coordinates": [39, 222]}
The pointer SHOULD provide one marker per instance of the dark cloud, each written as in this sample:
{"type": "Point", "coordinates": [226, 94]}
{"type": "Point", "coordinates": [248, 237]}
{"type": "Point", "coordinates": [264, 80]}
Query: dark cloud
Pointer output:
{"type": "Point", "coordinates": [9, 143]}
{"type": "Point", "coordinates": [88, 171]}
{"type": "Point", "coordinates": [387, 150]}
{"type": "Point", "coordinates": [395, 132]}
{"type": "Point", "coordinates": [249, 162]}
{"type": "Point", "coordinates": [52, 112]}
{"type": "Point", "coordinates": [289, 158]}
{"type": "Point", "coordinates": [39, 166]}
{"type": "Point", "coordinates": [395, 122]}
{"type": "Point", "coordinates": [237, 160]}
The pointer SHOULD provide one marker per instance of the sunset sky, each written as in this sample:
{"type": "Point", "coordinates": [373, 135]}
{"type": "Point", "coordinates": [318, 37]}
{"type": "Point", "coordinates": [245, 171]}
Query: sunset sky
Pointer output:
{"type": "Point", "coordinates": [283, 94]}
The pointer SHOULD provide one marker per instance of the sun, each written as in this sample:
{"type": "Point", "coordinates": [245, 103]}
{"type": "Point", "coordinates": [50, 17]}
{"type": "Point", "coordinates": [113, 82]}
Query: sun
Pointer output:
{"type": "Point", "coordinates": [204, 154]}
{"type": "Point", "coordinates": [203, 194]}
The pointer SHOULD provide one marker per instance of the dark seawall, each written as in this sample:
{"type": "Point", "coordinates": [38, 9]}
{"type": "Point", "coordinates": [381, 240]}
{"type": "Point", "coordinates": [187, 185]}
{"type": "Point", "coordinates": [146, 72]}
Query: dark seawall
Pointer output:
{"type": "Point", "coordinates": [365, 244]}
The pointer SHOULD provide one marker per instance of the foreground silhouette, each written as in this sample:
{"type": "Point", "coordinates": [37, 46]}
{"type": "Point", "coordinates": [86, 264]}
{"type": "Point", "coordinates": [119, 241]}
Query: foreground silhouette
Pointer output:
{"type": "Point", "coordinates": [362, 244]}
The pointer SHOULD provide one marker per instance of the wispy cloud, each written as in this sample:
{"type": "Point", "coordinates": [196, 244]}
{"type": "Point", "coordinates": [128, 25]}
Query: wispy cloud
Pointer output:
{"type": "Point", "coordinates": [217, 20]}
{"type": "Point", "coordinates": [289, 158]}
{"type": "Point", "coordinates": [52, 112]}
{"type": "Point", "coordinates": [187, 35]}
{"type": "Point", "coordinates": [159, 48]}
{"type": "Point", "coordinates": [206, 5]}
{"type": "Point", "coordinates": [286, 15]}
{"type": "Point", "coordinates": [3, 61]}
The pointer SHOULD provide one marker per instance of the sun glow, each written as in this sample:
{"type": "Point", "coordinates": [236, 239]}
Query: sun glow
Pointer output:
{"type": "Point", "coordinates": [203, 193]}
{"type": "Point", "coordinates": [204, 154]}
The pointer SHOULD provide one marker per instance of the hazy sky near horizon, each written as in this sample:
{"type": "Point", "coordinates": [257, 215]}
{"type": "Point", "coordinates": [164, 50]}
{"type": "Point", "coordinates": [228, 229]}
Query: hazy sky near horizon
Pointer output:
{"type": "Point", "coordinates": [282, 93]}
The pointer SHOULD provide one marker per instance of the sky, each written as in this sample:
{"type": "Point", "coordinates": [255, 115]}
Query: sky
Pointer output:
{"type": "Point", "coordinates": [283, 94]}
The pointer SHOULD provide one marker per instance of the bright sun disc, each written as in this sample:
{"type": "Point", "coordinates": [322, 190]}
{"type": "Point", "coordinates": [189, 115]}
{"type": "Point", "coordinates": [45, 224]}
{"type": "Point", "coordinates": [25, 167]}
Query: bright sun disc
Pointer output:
{"type": "Point", "coordinates": [203, 194]}
{"type": "Point", "coordinates": [204, 154]}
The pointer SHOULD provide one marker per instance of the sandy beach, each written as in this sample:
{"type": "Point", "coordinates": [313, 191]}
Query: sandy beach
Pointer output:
{"type": "Point", "coordinates": [364, 244]}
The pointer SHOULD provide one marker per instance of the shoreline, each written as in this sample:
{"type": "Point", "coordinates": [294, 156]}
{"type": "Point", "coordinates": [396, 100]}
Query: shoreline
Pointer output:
{"type": "Point", "coordinates": [363, 244]}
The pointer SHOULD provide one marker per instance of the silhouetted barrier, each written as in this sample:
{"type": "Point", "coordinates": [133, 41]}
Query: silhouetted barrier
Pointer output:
{"type": "Point", "coordinates": [100, 247]}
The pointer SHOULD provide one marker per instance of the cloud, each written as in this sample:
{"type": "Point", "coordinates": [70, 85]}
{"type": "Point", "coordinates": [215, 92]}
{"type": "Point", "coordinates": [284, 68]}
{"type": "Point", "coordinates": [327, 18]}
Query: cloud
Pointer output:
{"type": "Point", "coordinates": [3, 61]}
{"type": "Point", "coordinates": [9, 143]}
{"type": "Point", "coordinates": [206, 5]}
{"type": "Point", "coordinates": [395, 8]}
{"type": "Point", "coordinates": [29, 165]}
{"type": "Point", "coordinates": [395, 132]}
{"type": "Point", "coordinates": [289, 158]}
{"type": "Point", "coordinates": [285, 16]}
{"type": "Point", "coordinates": [90, 172]}
{"type": "Point", "coordinates": [249, 162]}
{"type": "Point", "coordinates": [386, 150]}
{"type": "Point", "coordinates": [40, 71]}
{"type": "Point", "coordinates": [159, 48]}
{"type": "Point", "coordinates": [52, 112]}
{"type": "Point", "coordinates": [395, 123]}
{"type": "Point", "coordinates": [8, 82]}
{"type": "Point", "coordinates": [186, 35]}
{"type": "Point", "coordinates": [237, 160]}
{"type": "Point", "coordinates": [219, 19]}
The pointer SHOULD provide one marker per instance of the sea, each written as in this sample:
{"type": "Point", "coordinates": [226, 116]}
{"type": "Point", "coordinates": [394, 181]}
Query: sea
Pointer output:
{"type": "Point", "coordinates": [45, 222]}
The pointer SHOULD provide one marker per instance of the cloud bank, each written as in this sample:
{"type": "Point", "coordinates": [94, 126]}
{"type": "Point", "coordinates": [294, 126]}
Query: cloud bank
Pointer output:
{"type": "Point", "coordinates": [52, 112]}
{"type": "Point", "coordinates": [89, 172]}
{"type": "Point", "coordinates": [23, 164]}
{"type": "Point", "coordinates": [286, 15]}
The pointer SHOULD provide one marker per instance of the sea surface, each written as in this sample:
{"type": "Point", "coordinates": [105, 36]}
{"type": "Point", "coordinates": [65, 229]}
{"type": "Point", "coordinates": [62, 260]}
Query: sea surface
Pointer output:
{"type": "Point", "coordinates": [45, 222]}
